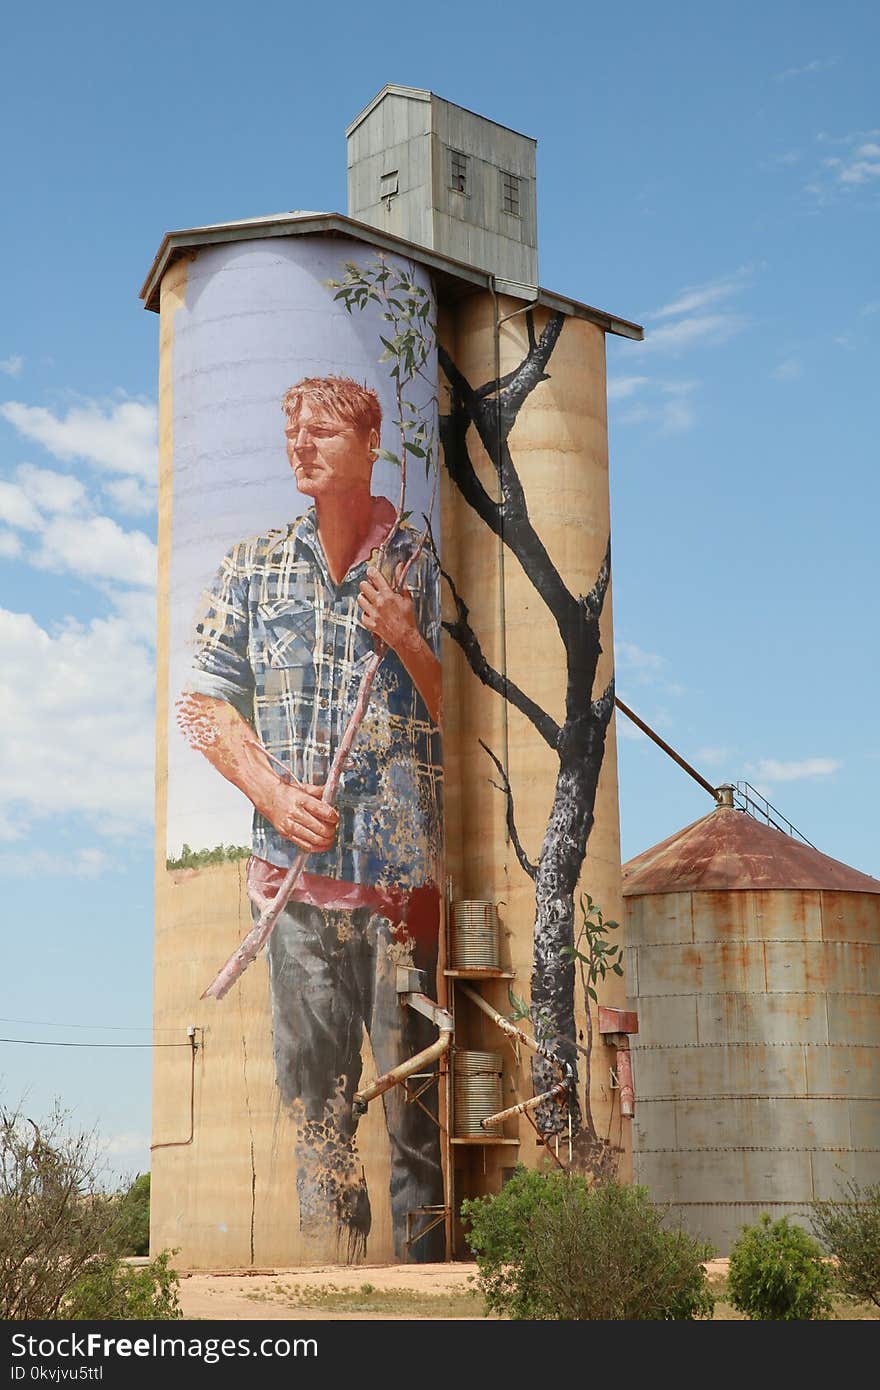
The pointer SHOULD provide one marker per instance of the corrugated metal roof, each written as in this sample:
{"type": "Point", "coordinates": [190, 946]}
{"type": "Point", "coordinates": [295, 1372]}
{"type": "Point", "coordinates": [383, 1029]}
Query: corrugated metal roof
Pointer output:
{"type": "Point", "coordinates": [728, 849]}
{"type": "Point", "coordinates": [455, 277]}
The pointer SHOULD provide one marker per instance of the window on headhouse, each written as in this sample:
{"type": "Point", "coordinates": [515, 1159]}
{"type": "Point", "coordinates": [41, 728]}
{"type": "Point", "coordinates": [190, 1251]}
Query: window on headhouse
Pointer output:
{"type": "Point", "coordinates": [510, 194]}
{"type": "Point", "coordinates": [458, 171]}
{"type": "Point", "coordinates": [388, 184]}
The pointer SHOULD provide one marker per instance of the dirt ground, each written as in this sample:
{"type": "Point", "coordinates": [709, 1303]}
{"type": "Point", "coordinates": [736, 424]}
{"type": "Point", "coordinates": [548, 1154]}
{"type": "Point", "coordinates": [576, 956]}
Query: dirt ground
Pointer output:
{"type": "Point", "coordinates": [269, 1293]}
{"type": "Point", "coordinates": [296, 1293]}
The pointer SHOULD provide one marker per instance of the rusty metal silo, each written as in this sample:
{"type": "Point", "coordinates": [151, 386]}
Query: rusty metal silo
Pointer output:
{"type": "Point", "coordinates": [755, 962]}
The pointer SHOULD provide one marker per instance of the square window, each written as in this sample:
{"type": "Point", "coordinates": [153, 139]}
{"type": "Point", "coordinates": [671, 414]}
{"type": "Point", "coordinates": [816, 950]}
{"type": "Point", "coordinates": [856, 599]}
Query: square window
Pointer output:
{"type": "Point", "coordinates": [388, 184]}
{"type": "Point", "coordinates": [458, 171]}
{"type": "Point", "coordinates": [510, 194]}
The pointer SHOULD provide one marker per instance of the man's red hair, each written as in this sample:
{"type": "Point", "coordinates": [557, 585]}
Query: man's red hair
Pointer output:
{"type": "Point", "coordinates": [342, 398]}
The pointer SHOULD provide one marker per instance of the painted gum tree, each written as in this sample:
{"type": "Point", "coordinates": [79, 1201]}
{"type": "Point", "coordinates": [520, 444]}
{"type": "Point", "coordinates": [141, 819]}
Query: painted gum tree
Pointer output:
{"type": "Point", "coordinates": [489, 410]}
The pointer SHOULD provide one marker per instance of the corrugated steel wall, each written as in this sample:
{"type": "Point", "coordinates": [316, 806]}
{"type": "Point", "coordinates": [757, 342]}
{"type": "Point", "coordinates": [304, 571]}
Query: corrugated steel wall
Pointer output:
{"type": "Point", "coordinates": [757, 1063]}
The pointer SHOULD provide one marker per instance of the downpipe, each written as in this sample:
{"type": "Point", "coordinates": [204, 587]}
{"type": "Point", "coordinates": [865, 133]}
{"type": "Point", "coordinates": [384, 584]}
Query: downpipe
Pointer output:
{"type": "Point", "coordinates": [443, 1020]}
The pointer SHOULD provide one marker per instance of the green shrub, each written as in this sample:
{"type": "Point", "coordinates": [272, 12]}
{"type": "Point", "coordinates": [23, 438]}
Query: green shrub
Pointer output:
{"type": "Point", "coordinates": [777, 1272]}
{"type": "Point", "coordinates": [55, 1217]}
{"type": "Point", "coordinates": [131, 1222]}
{"type": "Point", "coordinates": [550, 1246]}
{"type": "Point", "coordinates": [849, 1228]}
{"type": "Point", "coordinates": [109, 1290]}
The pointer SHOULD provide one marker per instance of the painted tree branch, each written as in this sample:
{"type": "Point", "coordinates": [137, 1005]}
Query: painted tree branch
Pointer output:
{"type": "Point", "coordinates": [494, 416]}
{"type": "Point", "coordinates": [593, 602]}
{"type": "Point", "coordinates": [530, 868]}
{"type": "Point", "coordinates": [579, 743]}
{"type": "Point", "coordinates": [463, 634]}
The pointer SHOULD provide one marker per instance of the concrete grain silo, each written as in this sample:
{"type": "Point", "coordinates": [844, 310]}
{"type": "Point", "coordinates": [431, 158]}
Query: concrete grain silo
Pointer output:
{"type": "Point", "coordinates": [755, 962]}
{"type": "Point", "coordinates": [318, 1078]}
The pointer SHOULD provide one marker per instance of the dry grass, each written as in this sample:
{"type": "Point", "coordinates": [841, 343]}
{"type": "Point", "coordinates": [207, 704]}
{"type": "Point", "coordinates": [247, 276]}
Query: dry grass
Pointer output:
{"type": "Point", "coordinates": [368, 1300]}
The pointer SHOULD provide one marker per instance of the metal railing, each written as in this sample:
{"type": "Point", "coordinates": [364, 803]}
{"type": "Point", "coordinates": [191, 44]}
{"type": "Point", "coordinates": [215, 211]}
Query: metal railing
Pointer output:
{"type": "Point", "coordinates": [750, 800]}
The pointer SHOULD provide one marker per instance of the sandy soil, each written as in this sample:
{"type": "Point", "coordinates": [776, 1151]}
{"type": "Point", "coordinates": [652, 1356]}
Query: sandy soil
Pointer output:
{"type": "Point", "coordinates": [235, 1294]}
{"type": "Point", "coordinates": [246, 1296]}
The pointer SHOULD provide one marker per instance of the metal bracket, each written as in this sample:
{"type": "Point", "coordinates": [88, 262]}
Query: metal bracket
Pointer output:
{"type": "Point", "coordinates": [413, 1097]}
{"type": "Point", "coordinates": [436, 1214]}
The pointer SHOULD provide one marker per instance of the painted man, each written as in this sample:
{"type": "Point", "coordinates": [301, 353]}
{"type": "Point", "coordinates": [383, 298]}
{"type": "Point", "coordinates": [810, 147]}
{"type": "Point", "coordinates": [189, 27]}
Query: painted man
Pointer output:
{"type": "Point", "coordinates": [289, 625]}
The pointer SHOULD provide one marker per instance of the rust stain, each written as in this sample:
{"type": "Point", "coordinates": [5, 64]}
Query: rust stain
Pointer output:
{"type": "Point", "coordinates": [728, 849]}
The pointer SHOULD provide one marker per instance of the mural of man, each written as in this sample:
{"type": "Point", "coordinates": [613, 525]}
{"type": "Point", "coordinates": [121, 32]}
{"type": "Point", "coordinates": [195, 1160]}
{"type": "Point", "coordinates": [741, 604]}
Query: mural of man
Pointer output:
{"type": "Point", "coordinates": [285, 633]}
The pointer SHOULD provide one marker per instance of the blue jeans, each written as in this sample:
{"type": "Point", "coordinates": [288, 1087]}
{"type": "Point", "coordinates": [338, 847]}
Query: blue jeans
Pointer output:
{"type": "Point", "coordinates": [332, 974]}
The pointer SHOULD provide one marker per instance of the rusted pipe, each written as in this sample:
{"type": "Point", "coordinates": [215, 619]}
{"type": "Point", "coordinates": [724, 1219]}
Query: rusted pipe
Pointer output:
{"type": "Point", "coordinates": [661, 743]}
{"type": "Point", "coordinates": [560, 1089]}
{"type": "Point", "coordinates": [505, 1024]}
{"type": "Point", "coordinates": [625, 1083]}
{"type": "Point", "coordinates": [441, 1018]}
{"type": "Point", "coordinates": [361, 1099]}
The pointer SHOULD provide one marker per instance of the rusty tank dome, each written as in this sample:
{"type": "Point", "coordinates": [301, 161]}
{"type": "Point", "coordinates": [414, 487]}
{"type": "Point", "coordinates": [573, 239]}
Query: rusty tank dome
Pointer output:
{"type": "Point", "coordinates": [728, 849]}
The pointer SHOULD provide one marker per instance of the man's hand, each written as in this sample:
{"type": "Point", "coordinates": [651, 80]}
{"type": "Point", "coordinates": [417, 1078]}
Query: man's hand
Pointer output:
{"type": "Point", "coordinates": [297, 811]}
{"type": "Point", "coordinates": [389, 615]}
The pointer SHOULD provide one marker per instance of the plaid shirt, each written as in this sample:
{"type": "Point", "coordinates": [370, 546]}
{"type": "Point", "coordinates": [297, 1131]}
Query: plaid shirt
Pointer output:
{"type": "Point", "coordinates": [282, 643]}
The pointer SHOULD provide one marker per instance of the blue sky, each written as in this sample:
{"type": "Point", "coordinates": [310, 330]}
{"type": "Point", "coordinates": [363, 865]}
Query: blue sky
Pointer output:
{"type": "Point", "coordinates": [712, 172]}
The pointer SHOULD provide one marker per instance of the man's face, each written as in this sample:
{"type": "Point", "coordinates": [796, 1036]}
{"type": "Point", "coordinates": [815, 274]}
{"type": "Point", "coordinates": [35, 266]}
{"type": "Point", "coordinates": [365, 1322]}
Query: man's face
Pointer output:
{"type": "Point", "coordinates": [328, 455]}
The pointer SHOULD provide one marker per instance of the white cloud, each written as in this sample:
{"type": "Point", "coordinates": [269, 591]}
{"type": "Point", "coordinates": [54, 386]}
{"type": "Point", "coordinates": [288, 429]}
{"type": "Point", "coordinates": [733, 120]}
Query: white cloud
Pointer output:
{"type": "Point", "coordinates": [664, 404]}
{"type": "Point", "coordinates": [137, 608]}
{"type": "Point", "coordinates": [620, 387]}
{"type": "Point", "coordinates": [676, 416]}
{"type": "Point", "coordinates": [816, 65]}
{"type": "Point", "coordinates": [697, 328]}
{"type": "Point", "coordinates": [639, 667]}
{"type": "Point", "coordinates": [120, 438]}
{"type": "Point", "coordinates": [17, 509]}
{"type": "Point", "coordinates": [76, 733]}
{"type": "Point", "coordinates": [697, 319]}
{"type": "Point", "coordinates": [126, 1154]}
{"type": "Point", "coordinates": [789, 370]}
{"type": "Point", "coordinates": [10, 545]}
{"type": "Point", "coordinates": [849, 139]}
{"type": "Point", "coordinates": [782, 161]}
{"type": "Point", "coordinates": [872, 307]}
{"type": "Point", "coordinates": [94, 547]}
{"type": "Point", "coordinates": [634, 658]}
{"type": "Point", "coordinates": [698, 297]}
{"type": "Point", "coordinates": [51, 491]}
{"type": "Point", "coordinates": [864, 165]}
{"type": "Point", "coordinates": [775, 770]}
{"type": "Point", "coordinates": [97, 548]}
{"type": "Point", "coordinates": [11, 366]}
{"type": "Point", "coordinates": [80, 863]}
{"type": "Point", "coordinates": [626, 729]}
{"type": "Point", "coordinates": [132, 496]}
{"type": "Point", "coordinates": [116, 1144]}
{"type": "Point", "coordinates": [845, 173]}
{"type": "Point", "coordinates": [713, 756]}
